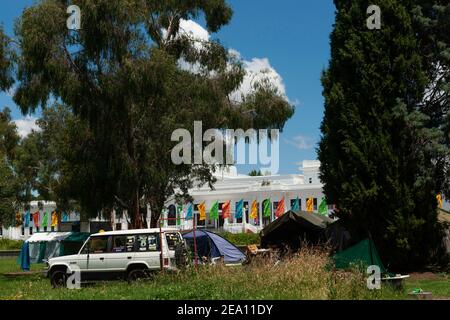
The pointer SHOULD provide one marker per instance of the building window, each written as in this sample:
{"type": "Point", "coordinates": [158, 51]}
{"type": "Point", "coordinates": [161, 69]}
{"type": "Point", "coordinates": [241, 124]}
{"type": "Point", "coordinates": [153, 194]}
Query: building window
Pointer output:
{"type": "Point", "coordinates": [310, 180]}
{"type": "Point", "coordinates": [221, 220]}
{"type": "Point", "coordinates": [299, 203]}
{"type": "Point", "coordinates": [45, 229]}
{"type": "Point", "coordinates": [52, 229]}
{"type": "Point", "coordinates": [315, 203]}
{"type": "Point", "coordinates": [172, 215]}
{"type": "Point", "coordinates": [119, 214]}
{"type": "Point", "coordinates": [23, 231]}
{"type": "Point", "coordinates": [31, 231]}
{"type": "Point", "coordinates": [1, 230]}
{"type": "Point", "coordinates": [247, 211]}
{"type": "Point", "coordinates": [37, 229]}
{"type": "Point", "coordinates": [275, 206]}
{"type": "Point", "coordinates": [118, 226]}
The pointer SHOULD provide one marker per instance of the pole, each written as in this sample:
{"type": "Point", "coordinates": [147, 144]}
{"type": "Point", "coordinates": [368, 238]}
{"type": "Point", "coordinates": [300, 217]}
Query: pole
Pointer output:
{"type": "Point", "coordinates": [162, 249]}
{"type": "Point", "coordinates": [195, 242]}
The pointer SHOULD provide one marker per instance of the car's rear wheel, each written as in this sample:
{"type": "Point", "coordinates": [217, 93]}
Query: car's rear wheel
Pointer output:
{"type": "Point", "coordinates": [137, 275]}
{"type": "Point", "coordinates": [58, 278]}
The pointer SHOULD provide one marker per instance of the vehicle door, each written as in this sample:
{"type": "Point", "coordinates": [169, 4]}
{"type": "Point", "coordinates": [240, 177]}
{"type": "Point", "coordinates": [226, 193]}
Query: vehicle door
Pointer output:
{"type": "Point", "coordinates": [98, 252]}
{"type": "Point", "coordinates": [82, 257]}
{"type": "Point", "coordinates": [173, 240]}
{"type": "Point", "coordinates": [122, 252]}
{"type": "Point", "coordinates": [147, 250]}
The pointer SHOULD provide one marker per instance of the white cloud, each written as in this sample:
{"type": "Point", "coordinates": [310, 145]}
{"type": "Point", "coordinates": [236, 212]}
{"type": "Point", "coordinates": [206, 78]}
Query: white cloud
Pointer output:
{"type": "Point", "coordinates": [256, 69]}
{"type": "Point", "coordinates": [26, 125]}
{"type": "Point", "coordinates": [193, 30]}
{"type": "Point", "coordinates": [302, 142]}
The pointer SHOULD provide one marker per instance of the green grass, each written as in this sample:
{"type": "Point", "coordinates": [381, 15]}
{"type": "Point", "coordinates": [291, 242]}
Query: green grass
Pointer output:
{"type": "Point", "coordinates": [7, 244]}
{"type": "Point", "coordinates": [439, 287]}
{"type": "Point", "coordinates": [302, 277]}
{"type": "Point", "coordinates": [257, 282]}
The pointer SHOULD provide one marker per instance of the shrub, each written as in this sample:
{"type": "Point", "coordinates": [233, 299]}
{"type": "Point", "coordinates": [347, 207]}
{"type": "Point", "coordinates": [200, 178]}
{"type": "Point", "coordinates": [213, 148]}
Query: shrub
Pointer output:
{"type": "Point", "coordinates": [242, 239]}
{"type": "Point", "coordinates": [7, 244]}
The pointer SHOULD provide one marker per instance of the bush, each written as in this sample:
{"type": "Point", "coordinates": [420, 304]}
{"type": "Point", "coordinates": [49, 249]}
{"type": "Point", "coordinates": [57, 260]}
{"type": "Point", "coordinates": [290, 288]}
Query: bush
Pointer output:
{"type": "Point", "coordinates": [7, 244]}
{"type": "Point", "coordinates": [242, 239]}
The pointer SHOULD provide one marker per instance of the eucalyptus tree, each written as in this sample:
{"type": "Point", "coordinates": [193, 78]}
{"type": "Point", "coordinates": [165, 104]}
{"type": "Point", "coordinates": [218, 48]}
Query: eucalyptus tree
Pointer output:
{"type": "Point", "coordinates": [124, 73]}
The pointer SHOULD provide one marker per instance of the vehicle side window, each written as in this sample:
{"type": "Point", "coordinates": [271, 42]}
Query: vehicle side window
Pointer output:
{"type": "Point", "coordinates": [173, 239]}
{"type": "Point", "coordinates": [130, 243]}
{"type": "Point", "coordinates": [99, 245]}
{"type": "Point", "coordinates": [120, 244]}
{"type": "Point", "coordinates": [147, 242]}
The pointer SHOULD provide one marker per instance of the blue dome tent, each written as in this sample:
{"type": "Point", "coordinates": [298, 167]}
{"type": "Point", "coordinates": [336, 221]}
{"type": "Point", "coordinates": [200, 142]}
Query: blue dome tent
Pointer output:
{"type": "Point", "coordinates": [212, 246]}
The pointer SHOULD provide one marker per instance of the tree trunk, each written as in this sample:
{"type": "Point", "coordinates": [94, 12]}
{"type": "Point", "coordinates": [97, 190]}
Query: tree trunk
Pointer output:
{"type": "Point", "coordinates": [135, 215]}
{"type": "Point", "coordinates": [156, 207]}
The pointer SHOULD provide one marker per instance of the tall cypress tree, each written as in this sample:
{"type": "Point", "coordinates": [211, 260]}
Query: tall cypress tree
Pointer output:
{"type": "Point", "coordinates": [376, 151]}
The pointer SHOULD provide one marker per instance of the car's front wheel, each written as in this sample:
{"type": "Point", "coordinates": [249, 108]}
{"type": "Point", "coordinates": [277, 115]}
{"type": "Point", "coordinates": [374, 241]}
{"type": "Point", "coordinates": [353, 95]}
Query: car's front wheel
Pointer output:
{"type": "Point", "coordinates": [58, 278]}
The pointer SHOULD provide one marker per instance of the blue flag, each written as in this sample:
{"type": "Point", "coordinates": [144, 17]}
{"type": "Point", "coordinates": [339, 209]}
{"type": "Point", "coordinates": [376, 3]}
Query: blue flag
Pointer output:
{"type": "Point", "coordinates": [296, 206]}
{"type": "Point", "coordinates": [26, 219]}
{"type": "Point", "coordinates": [189, 211]}
{"type": "Point", "coordinates": [65, 217]}
{"type": "Point", "coordinates": [239, 209]}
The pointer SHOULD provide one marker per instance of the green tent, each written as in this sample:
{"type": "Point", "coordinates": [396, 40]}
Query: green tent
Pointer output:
{"type": "Point", "coordinates": [73, 243]}
{"type": "Point", "coordinates": [362, 255]}
{"type": "Point", "coordinates": [45, 245]}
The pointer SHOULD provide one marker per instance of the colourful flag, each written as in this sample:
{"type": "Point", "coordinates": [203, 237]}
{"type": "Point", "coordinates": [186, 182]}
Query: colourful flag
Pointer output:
{"type": "Point", "coordinates": [214, 212]}
{"type": "Point", "coordinates": [296, 205]}
{"type": "Point", "coordinates": [323, 207]}
{"type": "Point", "coordinates": [267, 209]}
{"type": "Point", "coordinates": [310, 205]}
{"type": "Point", "coordinates": [54, 219]}
{"type": "Point", "coordinates": [280, 208]}
{"type": "Point", "coordinates": [239, 209]}
{"type": "Point", "coordinates": [18, 219]}
{"type": "Point", "coordinates": [45, 220]}
{"type": "Point", "coordinates": [26, 219]}
{"type": "Point", "coordinates": [439, 200]}
{"type": "Point", "coordinates": [36, 219]}
{"type": "Point", "coordinates": [226, 210]}
{"type": "Point", "coordinates": [254, 212]}
{"type": "Point", "coordinates": [202, 211]}
{"type": "Point", "coordinates": [65, 217]}
{"type": "Point", "coordinates": [179, 213]}
{"type": "Point", "coordinates": [189, 211]}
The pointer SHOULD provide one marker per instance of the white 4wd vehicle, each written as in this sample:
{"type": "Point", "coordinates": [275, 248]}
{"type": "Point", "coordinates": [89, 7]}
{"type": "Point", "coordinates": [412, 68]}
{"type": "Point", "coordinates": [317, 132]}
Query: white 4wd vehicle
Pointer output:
{"type": "Point", "coordinates": [130, 254]}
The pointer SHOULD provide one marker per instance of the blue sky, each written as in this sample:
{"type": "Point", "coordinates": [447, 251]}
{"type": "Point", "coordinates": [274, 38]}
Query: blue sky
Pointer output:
{"type": "Point", "coordinates": [292, 34]}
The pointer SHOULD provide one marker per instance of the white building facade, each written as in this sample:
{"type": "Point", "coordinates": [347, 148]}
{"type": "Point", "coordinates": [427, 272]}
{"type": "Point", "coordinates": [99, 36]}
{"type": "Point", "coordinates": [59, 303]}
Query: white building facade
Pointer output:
{"type": "Point", "coordinates": [230, 186]}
